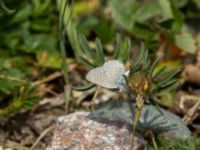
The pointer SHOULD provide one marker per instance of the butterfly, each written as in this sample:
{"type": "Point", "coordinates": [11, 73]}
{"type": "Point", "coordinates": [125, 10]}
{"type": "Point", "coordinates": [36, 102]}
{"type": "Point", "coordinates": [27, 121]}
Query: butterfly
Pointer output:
{"type": "Point", "coordinates": [110, 75]}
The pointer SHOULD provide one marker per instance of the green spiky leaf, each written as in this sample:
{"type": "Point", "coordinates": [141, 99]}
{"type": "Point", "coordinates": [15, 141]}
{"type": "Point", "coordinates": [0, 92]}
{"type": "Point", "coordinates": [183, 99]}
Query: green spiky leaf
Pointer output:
{"type": "Point", "coordinates": [87, 63]}
{"type": "Point", "coordinates": [118, 47]}
{"type": "Point", "coordinates": [169, 83]}
{"type": "Point", "coordinates": [84, 87]}
{"type": "Point", "coordinates": [155, 63]}
{"type": "Point", "coordinates": [30, 101]}
{"type": "Point", "coordinates": [153, 102]}
{"type": "Point", "coordinates": [138, 59]}
{"type": "Point", "coordinates": [169, 77]}
{"type": "Point", "coordinates": [127, 50]}
{"type": "Point", "coordinates": [167, 88]}
{"type": "Point", "coordinates": [100, 53]}
{"type": "Point", "coordinates": [85, 46]}
{"type": "Point", "coordinates": [147, 66]}
{"type": "Point", "coordinates": [145, 59]}
{"type": "Point", "coordinates": [140, 55]}
{"type": "Point", "coordinates": [160, 71]}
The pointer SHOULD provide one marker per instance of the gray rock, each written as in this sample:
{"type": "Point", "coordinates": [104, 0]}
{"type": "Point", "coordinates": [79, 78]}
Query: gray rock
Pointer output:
{"type": "Point", "coordinates": [83, 131]}
{"type": "Point", "coordinates": [168, 125]}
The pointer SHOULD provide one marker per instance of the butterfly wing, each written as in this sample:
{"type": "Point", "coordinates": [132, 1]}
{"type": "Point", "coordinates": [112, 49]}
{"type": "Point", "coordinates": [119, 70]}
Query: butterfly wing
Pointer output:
{"type": "Point", "coordinates": [114, 70]}
{"type": "Point", "coordinates": [98, 76]}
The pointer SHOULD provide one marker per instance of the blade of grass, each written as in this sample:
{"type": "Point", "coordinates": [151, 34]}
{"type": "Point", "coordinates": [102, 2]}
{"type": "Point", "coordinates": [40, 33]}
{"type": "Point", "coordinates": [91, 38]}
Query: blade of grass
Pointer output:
{"type": "Point", "coordinates": [63, 7]}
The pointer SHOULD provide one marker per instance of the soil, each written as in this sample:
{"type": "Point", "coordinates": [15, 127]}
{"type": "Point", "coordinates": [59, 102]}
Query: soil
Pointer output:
{"type": "Point", "coordinates": [21, 130]}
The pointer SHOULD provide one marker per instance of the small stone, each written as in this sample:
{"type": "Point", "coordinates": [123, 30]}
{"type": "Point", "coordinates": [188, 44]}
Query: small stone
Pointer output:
{"type": "Point", "coordinates": [83, 131]}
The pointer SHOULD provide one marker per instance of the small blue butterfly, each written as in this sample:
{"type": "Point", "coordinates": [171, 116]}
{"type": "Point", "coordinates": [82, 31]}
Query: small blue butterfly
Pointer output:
{"type": "Point", "coordinates": [110, 75]}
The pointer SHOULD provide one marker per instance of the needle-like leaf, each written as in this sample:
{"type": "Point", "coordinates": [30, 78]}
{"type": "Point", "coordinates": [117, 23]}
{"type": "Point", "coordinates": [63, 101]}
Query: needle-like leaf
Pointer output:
{"type": "Point", "coordinates": [153, 102]}
{"type": "Point", "coordinates": [100, 53]}
{"type": "Point", "coordinates": [160, 72]}
{"type": "Point", "coordinates": [85, 46]}
{"type": "Point", "coordinates": [84, 87]}
{"type": "Point", "coordinates": [167, 78]}
{"type": "Point", "coordinates": [87, 63]}
{"type": "Point", "coordinates": [138, 58]}
{"type": "Point", "coordinates": [169, 83]}
{"type": "Point", "coordinates": [153, 66]}
{"type": "Point", "coordinates": [127, 50]}
{"type": "Point", "coordinates": [118, 47]}
{"type": "Point", "coordinates": [145, 55]}
{"type": "Point", "coordinates": [167, 88]}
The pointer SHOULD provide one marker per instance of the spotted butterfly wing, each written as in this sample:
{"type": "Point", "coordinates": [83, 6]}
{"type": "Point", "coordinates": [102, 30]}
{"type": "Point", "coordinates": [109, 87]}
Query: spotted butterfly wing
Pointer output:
{"type": "Point", "coordinates": [98, 76]}
{"type": "Point", "coordinates": [108, 75]}
{"type": "Point", "coordinates": [114, 70]}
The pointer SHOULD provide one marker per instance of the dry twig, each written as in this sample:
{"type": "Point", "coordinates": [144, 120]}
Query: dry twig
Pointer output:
{"type": "Point", "coordinates": [41, 136]}
{"type": "Point", "coordinates": [47, 79]}
{"type": "Point", "coordinates": [191, 114]}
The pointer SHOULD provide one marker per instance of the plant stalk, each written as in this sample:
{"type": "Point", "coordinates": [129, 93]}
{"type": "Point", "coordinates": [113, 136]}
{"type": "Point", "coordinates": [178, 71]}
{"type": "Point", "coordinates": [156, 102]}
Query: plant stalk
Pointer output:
{"type": "Point", "coordinates": [63, 52]}
{"type": "Point", "coordinates": [138, 106]}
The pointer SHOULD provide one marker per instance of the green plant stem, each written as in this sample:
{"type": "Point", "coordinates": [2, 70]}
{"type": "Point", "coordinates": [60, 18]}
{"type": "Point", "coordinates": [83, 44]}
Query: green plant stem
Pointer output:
{"type": "Point", "coordinates": [63, 52]}
{"type": "Point", "coordinates": [62, 41]}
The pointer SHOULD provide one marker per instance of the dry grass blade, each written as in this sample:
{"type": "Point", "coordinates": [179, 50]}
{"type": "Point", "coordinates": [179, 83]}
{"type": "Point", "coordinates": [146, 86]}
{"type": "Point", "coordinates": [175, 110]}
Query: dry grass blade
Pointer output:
{"type": "Point", "coordinates": [41, 136]}
{"type": "Point", "coordinates": [191, 114]}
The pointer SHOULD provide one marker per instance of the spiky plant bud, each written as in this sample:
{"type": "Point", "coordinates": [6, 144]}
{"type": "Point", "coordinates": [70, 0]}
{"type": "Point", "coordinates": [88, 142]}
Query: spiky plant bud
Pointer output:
{"type": "Point", "coordinates": [138, 82]}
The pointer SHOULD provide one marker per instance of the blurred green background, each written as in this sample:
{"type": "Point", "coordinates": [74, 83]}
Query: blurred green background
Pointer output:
{"type": "Point", "coordinates": [29, 45]}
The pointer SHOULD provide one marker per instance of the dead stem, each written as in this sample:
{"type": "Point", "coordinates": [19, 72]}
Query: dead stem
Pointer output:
{"type": "Point", "coordinates": [190, 115]}
{"type": "Point", "coordinates": [154, 143]}
{"type": "Point", "coordinates": [12, 78]}
{"type": "Point", "coordinates": [41, 136]}
{"type": "Point", "coordinates": [68, 96]}
{"type": "Point", "coordinates": [47, 79]}
{"type": "Point", "coordinates": [94, 97]}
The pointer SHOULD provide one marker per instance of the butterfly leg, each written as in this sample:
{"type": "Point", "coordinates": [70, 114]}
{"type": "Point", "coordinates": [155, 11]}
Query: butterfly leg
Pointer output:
{"type": "Point", "coordinates": [138, 109]}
